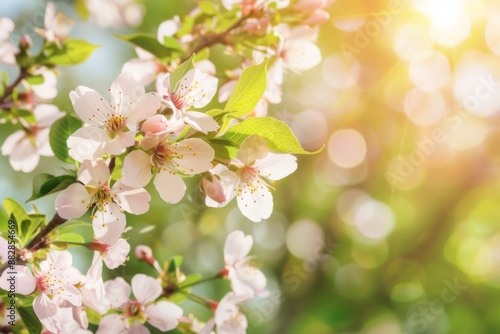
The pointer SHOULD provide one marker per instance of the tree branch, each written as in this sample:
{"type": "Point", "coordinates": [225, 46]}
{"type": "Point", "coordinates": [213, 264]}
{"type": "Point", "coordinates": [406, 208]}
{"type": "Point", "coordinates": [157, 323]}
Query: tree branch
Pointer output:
{"type": "Point", "coordinates": [23, 74]}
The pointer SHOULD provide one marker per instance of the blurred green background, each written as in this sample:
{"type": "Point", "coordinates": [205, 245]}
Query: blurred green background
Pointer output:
{"type": "Point", "coordinates": [393, 228]}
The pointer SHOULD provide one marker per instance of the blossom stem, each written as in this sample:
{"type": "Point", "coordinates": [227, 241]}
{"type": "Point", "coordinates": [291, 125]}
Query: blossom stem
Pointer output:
{"type": "Point", "coordinates": [198, 299]}
{"type": "Point", "coordinates": [39, 240]}
{"type": "Point", "coordinates": [23, 74]}
{"type": "Point", "coordinates": [202, 281]}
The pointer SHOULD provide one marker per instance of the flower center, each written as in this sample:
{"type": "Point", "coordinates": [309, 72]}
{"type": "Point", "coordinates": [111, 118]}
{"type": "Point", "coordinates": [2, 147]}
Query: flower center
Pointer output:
{"type": "Point", "coordinates": [132, 309]}
{"type": "Point", "coordinates": [161, 155]}
{"type": "Point", "coordinates": [115, 123]}
{"type": "Point", "coordinates": [178, 101]}
{"type": "Point", "coordinates": [102, 197]}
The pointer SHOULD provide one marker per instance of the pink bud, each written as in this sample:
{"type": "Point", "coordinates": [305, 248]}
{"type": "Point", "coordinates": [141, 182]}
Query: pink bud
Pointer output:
{"type": "Point", "coordinates": [260, 26]}
{"type": "Point", "coordinates": [309, 5]}
{"type": "Point", "coordinates": [154, 124]}
{"type": "Point", "coordinates": [144, 253]}
{"type": "Point", "coordinates": [25, 42]}
{"type": "Point", "coordinates": [317, 18]}
{"type": "Point", "coordinates": [213, 188]}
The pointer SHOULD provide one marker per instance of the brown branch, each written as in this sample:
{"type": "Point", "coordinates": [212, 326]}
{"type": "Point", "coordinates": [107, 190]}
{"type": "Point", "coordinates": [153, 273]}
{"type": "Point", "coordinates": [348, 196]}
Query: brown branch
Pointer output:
{"type": "Point", "coordinates": [23, 74]}
{"type": "Point", "coordinates": [39, 240]}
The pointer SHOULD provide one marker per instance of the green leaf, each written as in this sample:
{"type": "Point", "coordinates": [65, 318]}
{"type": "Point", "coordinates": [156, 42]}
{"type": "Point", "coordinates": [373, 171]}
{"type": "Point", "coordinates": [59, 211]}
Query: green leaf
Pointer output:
{"type": "Point", "coordinates": [35, 80]}
{"type": "Point", "coordinates": [69, 237]}
{"type": "Point", "coordinates": [190, 279]}
{"type": "Point", "coordinates": [73, 51]}
{"type": "Point", "coordinates": [117, 171]}
{"type": "Point", "coordinates": [224, 150]}
{"type": "Point", "coordinates": [207, 8]}
{"type": "Point", "coordinates": [45, 184]}
{"type": "Point", "coordinates": [175, 263]}
{"type": "Point", "coordinates": [279, 136]}
{"type": "Point", "coordinates": [248, 91]}
{"type": "Point", "coordinates": [59, 134]}
{"type": "Point", "coordinates": [180, 71]}
{"type": "Point", "coordinates": [93, 316]}
{"type": "Point", "coordinates": [28, 316]}
{"type": "Point", "coordinates": [150, 43]}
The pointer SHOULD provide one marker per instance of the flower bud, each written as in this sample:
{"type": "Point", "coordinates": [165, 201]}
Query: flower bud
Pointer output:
{"type": "Point", "coordinates": [213, 188]}
{"type": "Point", "coordinates": [154, 124]}
{"type": "Point", "coordinates": [25, 42]}
{"type": "Point", "coordinates": [144, 253]}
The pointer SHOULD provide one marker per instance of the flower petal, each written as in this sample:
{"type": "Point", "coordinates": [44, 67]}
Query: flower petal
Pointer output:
{"type": "Point", "coordinates": [144, 108]}
{"type": "Point", "coordinates": [133, 200]}
{"type": "Point", "coordinates": [89, 105]}
{"type": "Point", "coordinates": [119, 144]}
{"type": "Point", "coordinates": [256, 203]}
{"type": "Point", "coordinates": [125, 90]}
{"type": "Point", "coordinates": [112, 324]}
{"type": "Point", "coordinates": [73, 202]}
{"type": "Point", "coordinates": [136, 171]}
{"type": "Point", "coordinates": [164, 315]}
{"type": "Point", "coordinates": [276, 166]}
{"type": "Point", "coordinates": [196, 156]}
{"type": "Point", "coordinates": [46, 311]}
{"type": "Point", "coordinates": [145, 288]}
{"type": "Point", "coordinates": [200, 121]}
{"type": "Point", "coordinates": [87, 143]}
{"type": "Point", "coordinates": [24, 157]}
{"type": "Point", "coordinates": [237, 247]}
{"type": "Point", "coordinates": [117, 254]}
{"type": "Point", "coordinates": [110, 220]}
{"type": "Point", "coordinates": [23, 280]}
{"type": "Point", "coordinates": [118, 292]}
{"type": "Point", "coordinates": [94, 173]}
{"type": "Point", "coordinates": [170, 186]}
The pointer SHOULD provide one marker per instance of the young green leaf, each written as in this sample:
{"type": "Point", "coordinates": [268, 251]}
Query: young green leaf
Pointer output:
{"type": "Point", "coordinates": [46, 184]}
{"type": "Point", "coordinates": [279, 136]}
{"type": "Point", "coordinates": [73, 51]}
{"type": "Point", "coordinates": [59, 134]}
{"type": "Point", "coordinates": [151, 44]}
{"type": "Point", "coordinates": [248, 91]}
{"type": "Point", "coordinates": [180, 71]}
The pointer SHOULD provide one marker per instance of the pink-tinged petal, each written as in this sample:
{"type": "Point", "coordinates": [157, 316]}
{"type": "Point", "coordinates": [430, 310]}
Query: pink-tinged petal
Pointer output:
{"type": "Point", "coordinates": [143, 70]}
{"type": "Point", "coordinates": [25, 157]}
{"type": "Point", "coordinates": [301, 55]}
{"type": "Point", "coordinates": [228, 179]}
{"type": "Point", "coordinates": [71, 294]}
{"type": "Point", "coordinates": [94, 274]}
{"type": "Point", "coordinates": [206, 66]}
{"type": "Point", "coordinates": [163, 85]}
{"type": "Point", "coordinates": [155, 124]}
{"type": "Point", "coordinates": [276, 166]}
{"type": "Point", "coordinates": [145, 288]}
{"type": "Point", "coordinates": [146, 107]}
{"type": "Point", "coordinates": [153, 140]}
{"type": "Point", "coordinates": [214, 189]}
{"type": "Point", "coordinates": [118, 292]}
{"type": "Point", "coordinates": [226, 90]}
{"type": "Point", "coordinates": [94, 173]}
{"type": "Point", "coordinates": [117, 254]}
{"type": "Point", "coordinates": [43, 143]}
{"type": "Point", "coordinates": [111, 218]}
{"type": "Point", "coordinates": [253, 148]}
{"type": "Point", "coordinates": [112, 235]}
{"type": "Point", "coordinates": [167, 29]}
{"type": "Point", "coordinates": [137, 328]}
{"type": "Point", "coordinates": [200, 121]}
{"type": "Point", "coordinates": [255, 203]}
{"type": "Point", "coordinates": [112, 324]}
{"type": "Point", "coordinates": [119, 144]}
{"type": "Point", "coordinates": [164, 315]}
{"type": "Point", "coordinates": [170, 186]}
{"type": "Point", "coordinates": [197, 156]}
{"type": "Point", "coordinates": [237, 247]}
{"type": "Point", "coordinates": [207, 329]}
{"type": "Point", "coordinates": [93, 292]}
{"type": "Point", "coordinates": [246, 280]}
{"type": "Point", "coordinates": [73, 320]}
{"type": "Point", "coordinates": [133, 200]}
{"type": "Point", "coordinates": [73, 202]}
{"type": "Point", "coordinates": [47, 114]}
{"type": "Point", "coordinates": [136, 170]}
{"type": "Point", "coordinates": [90, 106]}
{"type": "Point", "coordinates": [46, 311]}
{"type": "Point", "coordinates": [228, 318]}
{"type": "Point", "coordinates": [208, 89]}
{"type": "Point", "coordinates": [11, 142]}
{"type": "Point", "coordinates": [125, 90]}
{"type": "Point", "coordinates": [23, 280]}
{"type": "Point", "coordinates": [87, 143]}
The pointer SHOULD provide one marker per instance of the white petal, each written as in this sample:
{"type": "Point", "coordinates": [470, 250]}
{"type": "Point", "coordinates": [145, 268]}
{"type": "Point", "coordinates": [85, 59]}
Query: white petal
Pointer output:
{"type": "Point", "coordinates": [145, 107]}
{"type": "Point", "coordinates": [254, 147]}
{"type": "Point", "coordinates": [302, 55]}
{"type": "Point", "coordinates": [237, 247]}
{"type": "Point", "coordinates": [71, 294]}
{"type": "Point", "coordinates": [246, 280]}
{"type": "Point", "coordinates": [89, 105]}
{"type": "Point", "coordinates": [117, 254]}
{"type": "Point", "coordinates": [170, 186]}
{"type": "Point", "coordinates": [226, 90]}
{"type": "Point", "coordinates": [118, 292]}
{"type": "Point", "coordinates": [143, 70]}
{"type": "Point", "coordinates": [200, 121]}
{"type": "Point", "coordinates": [25, 157]}
{"type": "Point", "coordinates": [47, 114]}
{"type": "Point", "coordinates": [46, 311]}
{"type": "Point", "coordinates": [163, 85]}
{"type": "Point", "coordinates": [276, 166]}
{"type": "Point", "coordinates": [145, 288]}
{"type": "Point", "coordinates": [23, 280]}
{"type": "Point", "coordinates": [167, 29]}
{"type": "Point", "coordinates": [136, 171]}
{"type": "Point", "coordinates": [43, 143]}
{"type": "Point", "coordinates": [73, 202]}
{"type": "Point", "coordinates": [94, 173]}
{"type": "Point", "coordinates": [197, 156]}
{"type": "Point", "coordinates": [133, 200]}
{"type": "Point", "coordinates": [48, 89]}
{"type": "Point", "coordinates": [125, 90]}
{"type": "Point", "coordinates": [112, 324]}
{"type": "Point", "coordinates": [11, 142]}
{"type": "Point", "coordinates": [87, 143]}
{"type": "Point", "coordinates": [255, 202]}
{"type": "Point", "coordinates": [164, 315]}
{"type": "Point", "coordinates": [112, 218]}
{"type": "Point", "coordinates": [137, 328]}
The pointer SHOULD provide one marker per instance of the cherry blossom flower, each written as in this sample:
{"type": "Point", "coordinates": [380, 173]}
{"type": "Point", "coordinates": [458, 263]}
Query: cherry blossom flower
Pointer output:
{"type": "Point", "coordinates": [189, 156]}
{"type": "Point", "coordinates": [251, 177]}
{"type": "Point", "coordinates": [7, 49]}
{"type": "Point", "coordinates": [57, 26]}
{"type": "Point", "coordinates": [113, 249]}
{"type": "Point", "coordinates": [110, 126]}
{"type": "Point", "coordinates": [93, 292]}
{"type": "Point", "coordinates": [228, 319]}
{"type": "Point", "coordinates": [134, 313]}
{"type": "Point", "coordinates": [54, 282]}
{"type": "Point", "coordinates": [116, 13]}
{"type": "Point", "coordinates": [47, 90]}
{"type": "Point", "coordinates": [195, 89]}
{"type": "Point", "coordinates": [109, 203]}
{"type": "Point", "coordinates": [145, 67]}
{"type": "Point", "coordinates": [245, 279]}
{"type": "Point", "coordinates": [24, 147]}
